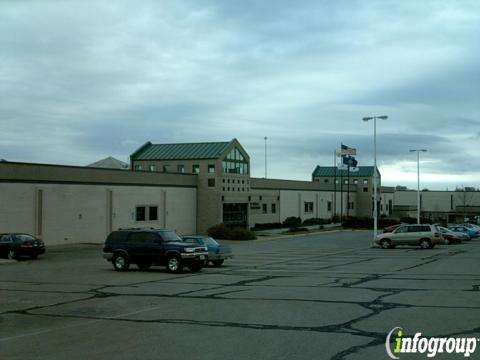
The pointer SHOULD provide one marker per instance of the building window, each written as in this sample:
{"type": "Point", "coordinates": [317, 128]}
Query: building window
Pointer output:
{"type": "Point", "coordinates": [142, 211]}
{"type": "Point", "coordinates": [235, 163]}
{"type": "Point", "coordinates": [355, 181]}
{"type": "Point", "coordinates": [260, 198]}
{"type": "Point", "coordinates": [365, 189]}
{"type": "Point", "coordinates": [153, 213]}
{"type": "Point", "coordinates": [211, 168]}
{"type": "Point", "coordinates": [308, 206]}
{"type": "Point", "coordinates": [228, 181]}
{"type": "Point", "coordinates": [211, 182]}
{"type": "Point", "coordinates": [337, 182]}
{"type": "Point", "coordinates": [264, 208]}
{"type": "Point", "coordinates": [345, 182]}
{"type": "Point", "coordinates": [180, 168]}
{"type": "Point", "coordinates": [329, 206]}
{"type": "Point", "coordinates": [152, 168]}
{"type": "Point", "coordinates": [165, 168]}
{"type": "Point", "coordinates": [274, 208]}
{"type": "Point", "coordinates": [351, 205]}
{"type": "Point", "coordinates": [138, 167]}
{"type": "Point", "coordinates": [365, 181]}
{"type": "Point", "coordinates": [196, 169]}
{"type": "Point", "coordinates": [325, 181]}
{"type": "Point", "coordinates": [223, 188]}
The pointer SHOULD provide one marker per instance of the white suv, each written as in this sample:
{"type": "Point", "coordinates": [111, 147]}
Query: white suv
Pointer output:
{"type": "Point", "coordinates": [424, 235]}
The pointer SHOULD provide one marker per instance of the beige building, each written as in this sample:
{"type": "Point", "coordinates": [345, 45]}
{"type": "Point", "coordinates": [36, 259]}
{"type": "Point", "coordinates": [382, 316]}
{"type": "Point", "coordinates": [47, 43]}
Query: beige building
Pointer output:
{"type": "Point", "coordinates": [226, 192]}
{"type": "Point", "coordinates": [66, 204]}
{"type": "Point", "coordinates": [439, 206]}
{"type": "Point", "coordinates": [191, 187]}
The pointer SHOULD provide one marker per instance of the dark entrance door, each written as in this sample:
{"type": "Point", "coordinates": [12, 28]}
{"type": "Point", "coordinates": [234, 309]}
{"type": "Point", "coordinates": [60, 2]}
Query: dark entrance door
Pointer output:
{"type": "Point", "coordinates": [235, 215]}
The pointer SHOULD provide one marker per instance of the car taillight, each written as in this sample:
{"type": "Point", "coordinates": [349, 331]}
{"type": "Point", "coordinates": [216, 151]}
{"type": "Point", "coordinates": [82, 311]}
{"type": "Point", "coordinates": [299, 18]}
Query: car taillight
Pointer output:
{"type": "Point", "coordinates": [26, 245]}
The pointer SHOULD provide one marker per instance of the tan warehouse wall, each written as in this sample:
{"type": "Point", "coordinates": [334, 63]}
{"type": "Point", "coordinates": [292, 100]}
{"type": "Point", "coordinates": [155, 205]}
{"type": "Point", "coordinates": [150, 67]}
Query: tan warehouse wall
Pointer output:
{"type": "Point", "coordinates": [86, 213]}
{"type": "Point", "coordinates": [68, 204]}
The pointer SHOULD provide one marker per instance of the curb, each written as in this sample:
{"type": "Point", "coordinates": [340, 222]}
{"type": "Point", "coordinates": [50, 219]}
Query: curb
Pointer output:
{"type": "Point", "coordinates": [6, 261]}
{"type": "Point", "coordinates": [298, 235]}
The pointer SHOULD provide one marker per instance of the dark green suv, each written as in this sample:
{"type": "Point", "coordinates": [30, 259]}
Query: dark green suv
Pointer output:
{"type": "Point", "coordinates": [148, 246]}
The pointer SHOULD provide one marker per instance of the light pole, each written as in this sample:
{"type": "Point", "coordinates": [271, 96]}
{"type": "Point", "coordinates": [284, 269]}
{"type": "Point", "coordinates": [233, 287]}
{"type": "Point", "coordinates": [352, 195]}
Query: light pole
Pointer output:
{"type": "Point", "coordinates": [418, 151]}
{"type": "Point", "coordinates": [375, 211]}
{"type": "Point", "coordinates": [265, 138]}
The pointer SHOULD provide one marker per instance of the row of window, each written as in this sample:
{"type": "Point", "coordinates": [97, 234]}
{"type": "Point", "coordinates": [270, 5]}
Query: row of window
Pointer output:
{"type": "Point", "coordinates": [345, 181]}
{"type": "Point", "coordinates": [180, 168]}
{"type": "Point", "coordinates": [242, 189]}
{"type": "Point", "coordinates": [228, 181]}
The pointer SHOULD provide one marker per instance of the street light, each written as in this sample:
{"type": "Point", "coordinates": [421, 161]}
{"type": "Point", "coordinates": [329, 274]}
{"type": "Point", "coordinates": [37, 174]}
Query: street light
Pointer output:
{"type": "Point", "coordinates": [418, 151]}
{"type": "Point", "coordinates": [375, 211]}
{"type": "Point", "coordinates": [265, 138]}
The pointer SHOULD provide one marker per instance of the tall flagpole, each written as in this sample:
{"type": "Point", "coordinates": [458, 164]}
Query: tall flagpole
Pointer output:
{"type": "Point", "coordinates": [334, 184]}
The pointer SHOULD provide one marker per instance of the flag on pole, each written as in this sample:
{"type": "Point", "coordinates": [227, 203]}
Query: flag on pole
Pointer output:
{"type": "Point", "coordinates": [349, 162]}
{"type": "Point", "coordinates": [345, 150]}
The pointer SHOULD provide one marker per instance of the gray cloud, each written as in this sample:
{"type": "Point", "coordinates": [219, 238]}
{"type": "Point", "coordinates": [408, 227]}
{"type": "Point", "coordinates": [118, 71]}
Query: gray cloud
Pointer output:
{"type": "Point", "coordinates": [82, 80]}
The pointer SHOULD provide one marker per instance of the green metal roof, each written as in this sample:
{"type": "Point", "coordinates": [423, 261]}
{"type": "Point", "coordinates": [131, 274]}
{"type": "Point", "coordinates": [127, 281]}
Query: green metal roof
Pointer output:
{"type": "Point", "coordinates": [330, 171]}
{"type": "Point", "coordinates": [183, 151]}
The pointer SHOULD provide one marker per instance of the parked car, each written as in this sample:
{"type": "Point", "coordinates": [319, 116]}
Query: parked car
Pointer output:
{"type": "Point", "coordinates": [473, 227]}
{"type": "Point", "coordinates": [389, 229]}
{"type": "Point", "coordinates": [424, 235]}
{"type": "Point", "coordinates": [465, 230]}
{"type": "Point", "coordinates": [217, 253]}
{"type": "Point", "coordinates": [452, 237]}
{"type": "Point", "coordinates": [148, 246]}
{"type": "Point", "coordinates": [16, 245]}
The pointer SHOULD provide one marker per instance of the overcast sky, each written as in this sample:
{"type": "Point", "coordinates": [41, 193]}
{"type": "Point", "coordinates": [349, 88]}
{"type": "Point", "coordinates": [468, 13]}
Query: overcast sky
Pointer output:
{"type": "Point", "coordinates": [80, 81]}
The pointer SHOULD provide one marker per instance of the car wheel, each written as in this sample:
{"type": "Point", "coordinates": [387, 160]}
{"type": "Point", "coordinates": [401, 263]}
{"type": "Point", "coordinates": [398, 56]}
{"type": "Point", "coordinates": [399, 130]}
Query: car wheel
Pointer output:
{"type": "Point", "coordinates": [218, 263]}
{"type": "Point", "coordinates": [195, 267]}
{"type": "Point", "coordinates": [425, 244]}
{"type": "Point", "coordinates": [11, 254]}
{"type": "Point", "coordinates": [174, 264]}
{"type": "Point", "coordinates": [120, 262]}
{"type": "Point", "coordinates": [385, 244]}
{"type": "Point", "coordinates": [144, 266]}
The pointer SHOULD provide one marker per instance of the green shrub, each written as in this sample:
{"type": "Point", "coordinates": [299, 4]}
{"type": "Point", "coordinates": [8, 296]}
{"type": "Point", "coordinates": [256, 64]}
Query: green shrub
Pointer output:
{"type": "Point", "coordinates": [316, 221]}
{"type": "Point", "coordinates": [292, 222]}
{"type": "Point", "coordinates": [223, 232]}
{"type": "Point", "coordinates": [241, 234]}
{"type": "Point", "coordinates": [220, 231]}
{"type": "Point", "coordinates": [268, 226]}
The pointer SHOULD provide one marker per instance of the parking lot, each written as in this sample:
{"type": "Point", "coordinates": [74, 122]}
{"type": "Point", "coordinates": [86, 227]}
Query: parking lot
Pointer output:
{"type": "Point", "coordinates": [326, 296]}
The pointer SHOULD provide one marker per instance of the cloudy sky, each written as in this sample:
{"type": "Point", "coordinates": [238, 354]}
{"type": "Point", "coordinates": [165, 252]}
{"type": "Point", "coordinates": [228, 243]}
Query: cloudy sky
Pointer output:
{"type": "Point", "coordinates": [80, 81]}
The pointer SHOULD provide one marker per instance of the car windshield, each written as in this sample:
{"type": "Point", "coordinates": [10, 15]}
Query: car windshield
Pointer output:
{"type": "Point", "coordinates": [170, 236]}
{"type": "Point", "coordinates": [24, 237]}
{"type": "Point", "coordinates": [209, 241]}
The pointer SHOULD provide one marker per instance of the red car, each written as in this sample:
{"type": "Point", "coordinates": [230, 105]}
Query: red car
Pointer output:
{"type": "Point", "coordinates": [389, 229]}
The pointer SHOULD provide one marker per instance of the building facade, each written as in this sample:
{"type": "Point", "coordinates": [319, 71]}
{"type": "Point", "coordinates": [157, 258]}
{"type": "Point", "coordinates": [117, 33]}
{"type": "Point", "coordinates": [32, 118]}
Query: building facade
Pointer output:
{"type": "Point", "coordinates": [191, 187]}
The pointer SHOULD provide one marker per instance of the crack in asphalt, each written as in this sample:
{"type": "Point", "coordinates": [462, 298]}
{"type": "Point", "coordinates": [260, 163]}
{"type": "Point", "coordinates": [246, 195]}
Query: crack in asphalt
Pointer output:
{"type": "Point", "coordinates": [374, 307]}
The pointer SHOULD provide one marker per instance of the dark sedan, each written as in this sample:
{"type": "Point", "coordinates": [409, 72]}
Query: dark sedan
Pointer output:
{"type": "Point", "coordinates": [216, 253]}
{"type": "Point", "coordinates": [16, 245]}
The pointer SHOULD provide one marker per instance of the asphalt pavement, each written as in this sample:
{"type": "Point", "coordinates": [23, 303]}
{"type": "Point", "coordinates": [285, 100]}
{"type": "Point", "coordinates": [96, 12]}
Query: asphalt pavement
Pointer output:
{"type": "Point", "coordinates": [325, 296]}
